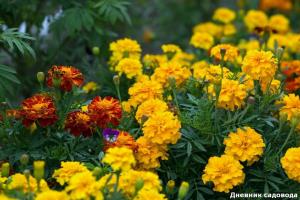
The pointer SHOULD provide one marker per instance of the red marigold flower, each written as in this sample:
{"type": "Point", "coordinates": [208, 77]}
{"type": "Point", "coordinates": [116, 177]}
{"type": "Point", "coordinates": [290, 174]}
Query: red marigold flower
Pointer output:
{"type": "Point", "coordinates": [66, 76]}
{"type": "Point", "coordinates": [104, 111]}
{"type": "Point", "coordinates": [38, 108]}
{"type": "Point", "coordinates": [79, 122]}
{"type": "Point", "coordinates": [124, 139]}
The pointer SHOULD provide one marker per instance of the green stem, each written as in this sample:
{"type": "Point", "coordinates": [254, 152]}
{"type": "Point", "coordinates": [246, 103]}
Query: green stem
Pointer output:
{"type": "Point", "coordinates": [287, 139]}
{"type": "Point", "coordinates": [176, 100]}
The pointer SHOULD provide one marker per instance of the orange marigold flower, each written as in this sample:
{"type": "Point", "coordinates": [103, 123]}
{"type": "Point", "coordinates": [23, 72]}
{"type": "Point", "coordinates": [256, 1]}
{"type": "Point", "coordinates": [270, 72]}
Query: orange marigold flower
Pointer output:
{"type": "Point", "coordinates": [123, 139]}
{"type": "Point", "coordinates": [104, 111]}
{"type": "Point", "coordinates": [66, 76]}
{"type": "Point", "coordinates": [278, 4]}
{"type": "Point", "coordinates": [79, 122]}
{"type": "Point", "coordinates": [38, 108]}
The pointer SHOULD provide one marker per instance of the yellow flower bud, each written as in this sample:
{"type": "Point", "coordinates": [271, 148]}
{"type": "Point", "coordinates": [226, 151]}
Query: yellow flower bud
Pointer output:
{"type": "Point", "coordinates": [96, 51]}
{"type": "Point", "coordinates": [24, 159]}
{"type": "Point", "coordinates": [5, 170]}
{"type": "Point", "coordinates": [39, 169]}
{"type": "Point", "coordinates": [183, 189]}
{"type": "Point", "coordinates": [139, 184]}
{"type": "Point", "coordinates": [170, 186]}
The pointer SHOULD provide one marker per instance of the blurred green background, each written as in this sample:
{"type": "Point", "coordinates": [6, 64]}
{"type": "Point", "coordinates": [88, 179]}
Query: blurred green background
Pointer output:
{"type": "Point", "coordinates": [64, 33]}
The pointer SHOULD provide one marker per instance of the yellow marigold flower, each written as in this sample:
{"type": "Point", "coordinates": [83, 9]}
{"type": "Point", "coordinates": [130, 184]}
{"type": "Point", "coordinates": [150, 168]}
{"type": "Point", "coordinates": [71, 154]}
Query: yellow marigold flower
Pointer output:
{"type": "Point", "coordinates": [130, 67]}
{"type": "Point", "coordinates": [67, 170]}
{"type": "Point", "coordinates": [260, 65]}
{"type": "Point", "coordinates": [230, 55]}
{"type": "Point", "coordinates": [273, 86]}
{"type": "Point", "coordinates": [149, 154]}
{"type": "Point", "coordinates": [224, 15]}
{"type": "Point", "coordinates": [225, 172]}
{"type": "Point", "coordinates": [255, 19]}
{"type": "Point", "coordinates": [279, 23]}
{"type": "Point", "coordinates": [83, 186]}
{"type": "Point", "coordinates": [229, 29]}
{"type": "Point", "coordinates": [169, 70]}
{"type": "Point", "coordinates": [147, 108]}
{"type": "Point", "coordinates": [290, 162]}
{"type": "Point", "coordinates": [52, 194]}
{"type": "Point", "coordinates": [162, 128]}
{"type": "Point", "coordinates": [208, 27]}
{"type": "Point", "coordinates": [119, 158]}
{"type": "Point", "coordinates": [90, 87]}
{"type": "Point", "coordinates": [202, 40]}
{"type": "Point", "coordinates": [294, 44]}
{"type": "Point", "coordinates": [154, 61]}
{"type": "Point", "coordinates": [124, 48]}
{"type": "Point", "coordinates": [144, 90]}
{"type": "Point", "coordinates": [129, 178]}
{"type": "Point", "coordinates": [19, 182]}
{"type": "Point", "coordinates": [232, 94]}
{"type": "Point", "coordinates": [281, 40]}
{"type": "Point", "coordinates": [171, 48]}
{"type": "Point", "coordinates": [149, 195]}
{"type": "Point", "coordinates": [249, 45]}
{"type": "Point", "coordinates": [291, 106]}
{"type": "Point", "coordinates": [245, 145]}
{"type": "Point", "coordinates": [211, 73]}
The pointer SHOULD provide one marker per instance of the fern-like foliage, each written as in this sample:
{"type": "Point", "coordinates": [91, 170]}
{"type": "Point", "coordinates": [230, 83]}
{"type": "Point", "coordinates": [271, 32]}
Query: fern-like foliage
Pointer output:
{"type": "Point", "coordinates": [15, 40]}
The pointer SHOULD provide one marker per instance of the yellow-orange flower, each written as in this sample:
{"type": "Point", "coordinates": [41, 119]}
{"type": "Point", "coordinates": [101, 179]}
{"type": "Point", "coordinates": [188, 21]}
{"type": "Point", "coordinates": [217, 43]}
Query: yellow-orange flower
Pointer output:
{"type": "Point", "coordinates": [90, 87]}
{"type": "Point", "coordinates": [279, 23]}
{"type": "Point", "coordinates": [67, 170]}
{"type": "Point", "coordinates": [149, 154]}
{"type": "Point", "coordinates": [255, 19]}
{"type": "Point", "coordinates": [38, 108]}
{"type": "Point", "coordinates": [130, 67]}
{"type": "Point", "coordinates": [225, 172]}
{"type": "Point", "coordinates": [208, 27]}
{"type": "Point", "coordinates": [19, 182]}
{"type": "Point", "coordinates": [224, 15]}
{"type": "Point", "coordinates": [171, 48]}
{"type": "Point", "coordinates": [169, 70]}
{"type": "Point", "coordinates": [232, 94]}
{"type": "Point", "coordinates": [149, 107]}
{"type": "Point", "coordinates": [162, 128]}
{"type": "Point", "coordinates": [144, 90]}
{"type": "Point", "coordinates": [124, 48]}
{"type": "Point", "coordinates": [291, 106]}
{"type": "Point", "coordinates": [245, 145]}
{"type": "Point", "coordinates": [279, 4]}
{"type": "Point", "coordinates": [290, 162]}
{"type": "Point", "coordinates": [202, 40]}
{"type": "Point", "coordinates": [119, 158]}
{"type": "Point", "coordinates": [260, 65]}
{"type": "Point", "coordinates": [51, 195]}
{"type": "Point", "coordinates": [65, 76]}
{"type": "Point", "coordinates": [231, 52]}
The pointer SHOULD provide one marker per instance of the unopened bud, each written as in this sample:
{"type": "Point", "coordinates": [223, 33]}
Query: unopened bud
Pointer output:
{"type": "Point", "coordinates": [283, 117]}
{"type": "Point", "coordinates": [24, 159]}
{"type": "Point", "coordinates": [96, 51]}
{"type": "Point", "coordinates": [170, 186]}
{"type": "Point", "coordinates": [97, 171]}
{"type": "Point", "coordinates": [251, 100]}
{"type": "Point", "coordinates": [39, 169]}
{"type": "Point", "coordinates": [5, 169]}
{"type": "Point", "coordinates": [183, 190]}
{"type": "Point", "coordinates": [40, 77]}
{"type": "Point", "coordinates": [139, 184]}
{"type": "Point", "coordinates": [116, 80]}
{"type": "Point", "coordinates": [295, 121]}
{"type": "Point", "coordinates": [279, 52]}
